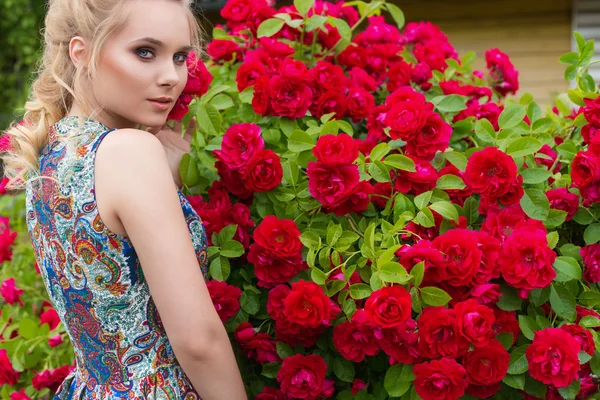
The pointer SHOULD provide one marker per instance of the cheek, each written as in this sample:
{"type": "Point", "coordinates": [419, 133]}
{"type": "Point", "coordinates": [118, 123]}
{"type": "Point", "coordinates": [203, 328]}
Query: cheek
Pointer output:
{"type": "Point", "coordinates": [119, 71]}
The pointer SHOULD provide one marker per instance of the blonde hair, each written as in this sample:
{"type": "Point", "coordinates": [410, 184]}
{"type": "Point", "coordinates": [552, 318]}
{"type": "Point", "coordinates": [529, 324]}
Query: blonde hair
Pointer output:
{"type": "Point", "coordinates": [59, 83]}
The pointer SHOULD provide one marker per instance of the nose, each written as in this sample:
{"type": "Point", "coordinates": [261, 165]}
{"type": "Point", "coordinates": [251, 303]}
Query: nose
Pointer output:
{"type": "Point", "coordinates": [168, 74]}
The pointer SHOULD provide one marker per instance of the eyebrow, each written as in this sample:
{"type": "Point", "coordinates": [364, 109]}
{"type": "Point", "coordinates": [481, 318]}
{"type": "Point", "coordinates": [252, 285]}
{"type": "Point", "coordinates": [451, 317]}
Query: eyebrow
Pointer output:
{"type": "Point", "coordinates": [159, 43]}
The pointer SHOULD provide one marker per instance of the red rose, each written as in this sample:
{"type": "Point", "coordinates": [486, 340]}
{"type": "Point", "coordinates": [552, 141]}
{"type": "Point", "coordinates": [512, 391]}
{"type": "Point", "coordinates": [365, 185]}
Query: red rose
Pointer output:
{"type": "Point", "coordinates": [506, 321]}
{"type": "Point", "coordinates": [552, 357]}
{"type": "Point", "coordinates": [501, 223]}
{"type": "Point", "coordinates": [434, 53]}
{"type": "Point", "coordinates": [280, 237]}
{"type": "Point", "coordinates": [583, 337]}
{"type": "Point", "coordinates": [362, 79]}
{"type": "Point", "coordinates": [406, 119]}
{"type": "Point", "coordinates": [585, 169]}
{"type": "Point", "coordinates": [357, 200]}
{"type": "Point", "coordinates": [328, 76]}
{"type": "Point", "coordinates": [237, 10]}
{"type": "Point", "coordinates": [20, 395]}
{"type": "Point", "coordinates": [250, 70]}
{"type": "Point", "coordinates": [440, 380]}
{"type": "Point", "coordinates": [224, 50]}
{"type": "Point", "coordinates": [263, 171]}
{"type": "Point", "coordinates": [261, 98]}
{"type": "Point", "coordinates": [439, 334]}
{"type": "Point", "coordinates": [8, 375]}
{"type": "Point", "coordinates": [421, 180]}
{"type": "Point", "coordinates": [389, 306]}
{"type": "Point", "coordinates": [233, 180]}
{"type": "Point", "coordinates": [486, 293]}
{"type": "Point", "coordinates": [272, 270]}
{"type": "Point", "coordinates": [490, 250]}
{"type": "Point", "coordinates": [433, 137]}
{"type": "Point", "coordinates": [562, 199]}
{"type": "Point", "coordinates": [50, 317]}
{"type": "Point", "coordinates": [400, 74]}
{"type": "Point", "coordinates": [490, 172]}
{"type": "Point", "coordinates": [240, 143]}
{"type": "Point", "coordinates": [10, 292]}
{"type": "Point", "coordinates": [51, 379]}
{"type": "Point", "coordinates": [526, 260]}
{"type": "Point", "coordinates": [181, 107]}
{"type": "Point", "coordinates": [591, 111]}
{"type": "Point", "coordinates": [421, 74]}
{"type": "Point", "coordinates": [308, 305]}
{"type": "Point", "coordinates": [199, 79]}
{"type": "Point", "coordinates": [355, 339]}
{"type": "Point", "coordinates": [270, 393]}
{"type": "Point", "coordinates": [358, 384]}
{"type": "Point", "coordinates": [400, 343]}
{"type": "Point", "coordinates": [514, 193]}
{"type": "Point", "coordinates": [225, 297]}
{"type": "Point", "coordinates": [486, 365]}
{"type": "Point", "coordinates": [360, 103]}
{"type": "Point", "coordinates": [256, 346]}
{"type": "Point", "coordinates": [383, 192]}
{"type": "Point", "coordinates": [331, 184]}
{"type": "Point", "coordinates": [332, 101]}
{"type": "Point", "coordinates": [591, 262]}
{"type": "Point", "coordinates": [475, 322]}
{"type": "Point", "coordinates": [55, 341]}
{"type": "Point", "coordinates": [460, 248]}
{"type": "Point", "coordinates": [289, 97]}
{"type": "Point", "coordinates": [303, 377]}
{"type": "Point", "coordinates": [353, 56]}
{"type": "Point", "coordinates": [409, 256]}
{"type": "Point", "coordinates": [336, 150]}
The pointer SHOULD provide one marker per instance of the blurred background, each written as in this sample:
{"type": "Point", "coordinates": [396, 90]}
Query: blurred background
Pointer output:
{"type": "Point", "coordinates": [534, 33]}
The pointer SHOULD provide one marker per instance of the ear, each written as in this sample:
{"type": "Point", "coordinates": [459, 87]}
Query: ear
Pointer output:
{"type": "Point", "coordinates": [78, 51]}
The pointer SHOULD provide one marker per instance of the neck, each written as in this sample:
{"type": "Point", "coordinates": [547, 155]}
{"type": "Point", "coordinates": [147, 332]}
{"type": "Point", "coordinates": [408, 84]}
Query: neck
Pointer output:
{"type": "Point", "coordinates": [105, 117]}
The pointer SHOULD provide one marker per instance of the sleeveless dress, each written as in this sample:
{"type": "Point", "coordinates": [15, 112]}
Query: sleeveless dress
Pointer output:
{"type": "Point", "coordinates": [95, 281]}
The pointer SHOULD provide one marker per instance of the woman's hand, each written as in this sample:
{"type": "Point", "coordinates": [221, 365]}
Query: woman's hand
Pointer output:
{"type": "Point", "coordinates": [174, 144]}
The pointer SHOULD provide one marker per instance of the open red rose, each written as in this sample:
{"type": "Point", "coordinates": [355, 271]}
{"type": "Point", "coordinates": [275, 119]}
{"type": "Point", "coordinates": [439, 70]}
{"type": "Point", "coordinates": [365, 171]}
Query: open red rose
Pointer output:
{"type": "Point", "coordinates": [389, 306]}
{"type": "Point", "coordinates": [562, 199]}
{"type": "Point", "coordinates": [356, 339]}
{"type": "Point", "coordinates": [225, 297]}
{"type": "Point", "coordinates": [591, 111]}
{"type": "Point", "coordinates": [486, 365]}
{"type": "Point", "coordinates": [256, 346]}
{"type": "Point", "coordinates": [279, 237]}
{"type": "Point", "coordinates": [10, 292]}
{"type": "Point", "coordinates": [289, 97]}
{"type": "Point", "coordinates": [552, 357]}
{"type": "Point", "coordinates": [240, 143]}
{"type": "Point", "coordinates": [475, 322]}
{"type": "Point", "coordinates": [51, 379]}
{"type": "Point", "coordinates": [263, 171]}
{"type": "Point", "coordinates": [462, 256]}
{"type": "Point", "coordinates": [440, 380]}
{"type": "Point", "coordinates": [400, 343]}
{"type": "Point", "coordinates": [272, 270]}
{"type": "Point", "coordinates": [585, 169]}
{"type": "Point", "coordinates": [439, 334]}
{"type": "Point", "coordinates": [490, 172]}
{"type": "Point", "coordinates": [303, 377]}
{"type": "Point", "coordinates": [583, 336]}
{"type": "Point", "coordinates": [356, 200]}
{"type": "Point", "coordinates": [591, 262]}
{"type": "Point", "coordinates": [336, 150]}
{"type": "Point", "coordinates": [330, 185]}
{"type": "Point", "coordinates": [308, 305]}
{"type": "Point", "coordinates": [8, 375]}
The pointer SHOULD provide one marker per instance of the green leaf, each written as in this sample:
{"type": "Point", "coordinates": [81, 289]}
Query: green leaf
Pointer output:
{"type": "Point", "coordinates": [433, 296]}
{"type": "Point", "coordinates": [552, 239]}
{"type": "Point", "coordinates": [249, 302]}
{"type": "Point", "coordinates": [583, 357]}
{"type": "Point", "coordinates": [445, 209]}
{"type": "Point", "coordinates": [333, 234]}
{"type": "Point", "coordinates": [360, 291]}
{"type": "Point", "coordinates": [534, 387]}
{"type": "Point", "coordinates": [28, 329]}
{"type": "Point", "coordinates": [227, 233]}
{"type": "Point", "coordinates": [232, 249]}
{"type": "Point", "coordinates": [393, 272]}
{"type": "Point", "coordinates": [571, 58]}
{"type": "Point", "coordinates": [318, 276]}
{"type": "Point", "coordinates": [452, 103]}
{"type": "Point", "coordinates": [423, 199]}
{"type": "Point", "coordinates": [595, 363]}
{"type": "Point", "coordinates": [344, 30]}
{"type": "Point", "coordinates": [397, 14]}
{"type": "Point", "coordinates": [586, 54]}
{"type": "Point", "coordinates": [400, 162]}
{"type": "Point", "coordinates": [221, 102]}
{"type": "Point", "coordinates": [300, 141]}
{"type": "Point", "coordinates": [284, 350]}
{"type": "Point", "coordinates": [511, 116]}
{"type": "Point", "coordinates": [506, 339]}
{"type": "Point", "coordinates": [580, 41]}
{"type": "Point", "coordinates": [590, 299]}
{"type": "Point", "coordinates": [220, 268]}
{"type": "Point", "coordinates": [425, 218]}
{"type": "Point", "coordinates": [343, 369]}
{"type": "Point", "coordinates": [592, 234]}
{"type": "Point", "coordinates": [270, 370]}
{"type": "Point", "coordinates": [589, 321]}
{"type": "Point", "coordinates": [535, 204]}
{"type": "Point", "coordinates": [484, 130]}
{"type": "Point", "coordinates": [310, 239]}
{"type": "Point", "coordinates": [347, 238]}
{"type": "Point", "coordinates": [510, 300]}
{"type": "Point", "coordinates": [380, 151]}
{"type": "Point", "coordinates": [515, 381]}
{"type": "Point", "coordinates": [379, 171]}
{"type": "Point", "coordinates": [567, 266]}
{"type": "Point", "coordinates": [528, 326]}
{"type": "Point", "coordinates": [417, 272]}
{"type": "Point", "coordinates": [209, 120]}
{"type": "Point", "coordinates": [532, 176]}
{"type": "Point", "coordinates": [518, 361]}
{"type": "Point", "coordinates": [563, 302]}
{"type": "Point", "coordinates": [188, 169]}
{"type": "Point", "coordinates": [457, 159]}
{"type": "Point", "coordinates": [450, 182]}
{"type": "Point", "coordinates": [523, 147]}
{"type": "Point", "coordinates": [398, 379]}
{"type": "Point", "coordinates": [570, 392]}
{"type": "Point", "coordinates": [303, 6]}
{"type": "Point", "coordinates": [270, 27]}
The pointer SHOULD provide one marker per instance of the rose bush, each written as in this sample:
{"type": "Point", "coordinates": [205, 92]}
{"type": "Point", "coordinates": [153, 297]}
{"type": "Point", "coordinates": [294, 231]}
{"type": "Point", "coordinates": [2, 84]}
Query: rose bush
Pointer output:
{"type": "Point", "coordinates": [383, 221]}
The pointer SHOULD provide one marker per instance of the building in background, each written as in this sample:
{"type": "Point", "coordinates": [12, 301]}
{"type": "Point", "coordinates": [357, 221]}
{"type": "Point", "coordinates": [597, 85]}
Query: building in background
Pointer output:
{"type": "Point", "coordinates": [534, 33]}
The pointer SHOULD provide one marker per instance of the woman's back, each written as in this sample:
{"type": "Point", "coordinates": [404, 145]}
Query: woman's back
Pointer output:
{"type": "Point", "coordinates": [95, 280]}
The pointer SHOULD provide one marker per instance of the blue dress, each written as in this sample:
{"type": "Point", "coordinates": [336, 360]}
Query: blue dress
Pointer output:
{"type": "Point", "coordinates": [94, 278]}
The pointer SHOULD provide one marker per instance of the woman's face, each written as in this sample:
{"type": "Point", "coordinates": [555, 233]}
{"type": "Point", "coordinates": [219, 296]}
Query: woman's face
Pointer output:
{"type": "Point", "coordinates": [142, 68]}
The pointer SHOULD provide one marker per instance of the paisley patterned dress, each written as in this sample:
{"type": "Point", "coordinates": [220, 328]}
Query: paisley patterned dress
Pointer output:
{"type": "Point", "coordinates": [95, 280]}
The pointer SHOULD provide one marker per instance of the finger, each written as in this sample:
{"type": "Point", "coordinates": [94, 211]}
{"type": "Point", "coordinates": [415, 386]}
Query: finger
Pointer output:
{"type": "Point", "coordinates": [177, 126]}
{"type": "Point", "coordinates": [190, 129]}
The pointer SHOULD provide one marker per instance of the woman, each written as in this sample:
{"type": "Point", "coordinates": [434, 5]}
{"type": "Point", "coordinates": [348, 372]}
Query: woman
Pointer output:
{"type": "Point", "coordinates": [121, 251]}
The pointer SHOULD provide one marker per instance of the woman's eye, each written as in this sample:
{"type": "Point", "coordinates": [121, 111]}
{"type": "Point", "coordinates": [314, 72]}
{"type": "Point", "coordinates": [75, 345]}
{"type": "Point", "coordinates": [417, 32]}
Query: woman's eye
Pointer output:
{"type": "Point", "coordinates": [144, 53]}
{"type": "Point", "coordinates": [181, 58]}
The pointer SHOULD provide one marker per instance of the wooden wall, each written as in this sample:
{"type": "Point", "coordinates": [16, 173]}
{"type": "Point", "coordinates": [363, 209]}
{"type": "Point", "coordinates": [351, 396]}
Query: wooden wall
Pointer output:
{"type": "Point", "coordinates": [534, 33]}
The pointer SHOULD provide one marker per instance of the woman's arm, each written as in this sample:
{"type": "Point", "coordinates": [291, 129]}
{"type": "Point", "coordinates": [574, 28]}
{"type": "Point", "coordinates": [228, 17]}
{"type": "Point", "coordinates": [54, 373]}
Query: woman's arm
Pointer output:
{"type": "Point", "coordinates": [134, 182]}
